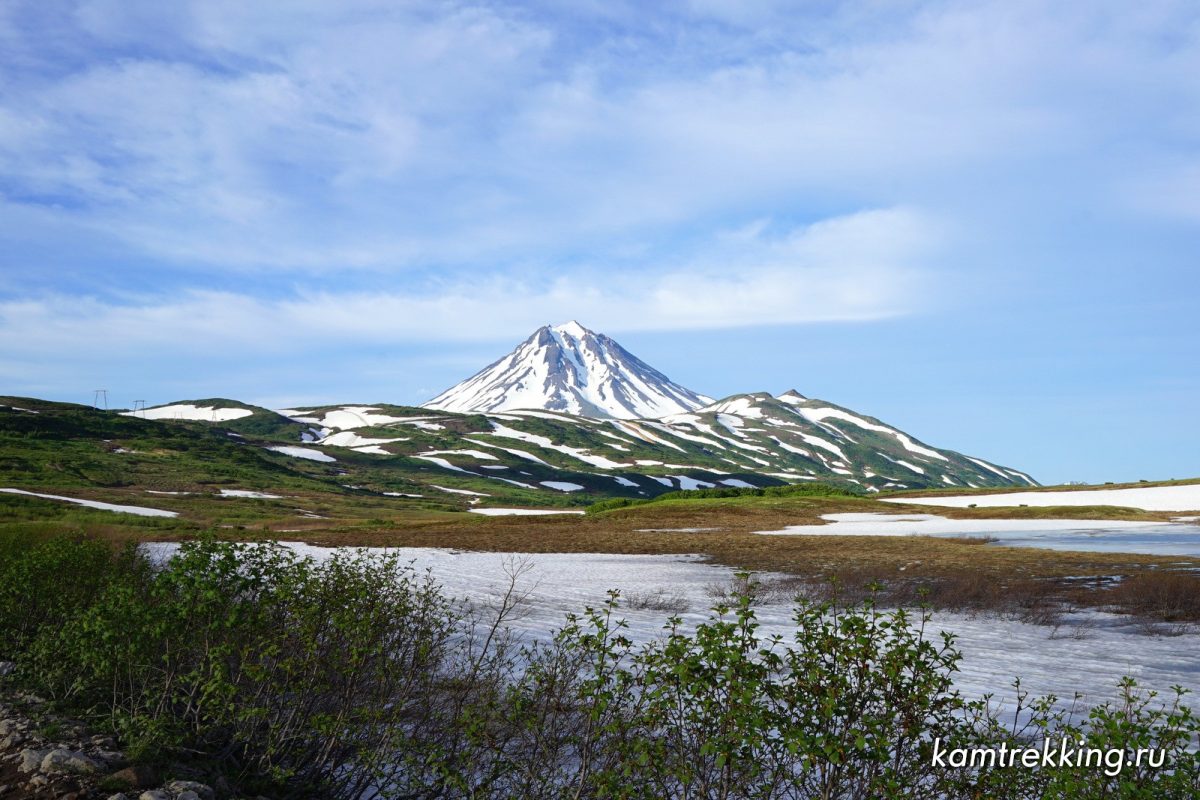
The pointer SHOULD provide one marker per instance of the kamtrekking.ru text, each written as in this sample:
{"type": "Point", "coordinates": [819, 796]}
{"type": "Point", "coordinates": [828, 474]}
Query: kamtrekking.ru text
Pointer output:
{"type": "Point", "coordinates": [1065, 753]}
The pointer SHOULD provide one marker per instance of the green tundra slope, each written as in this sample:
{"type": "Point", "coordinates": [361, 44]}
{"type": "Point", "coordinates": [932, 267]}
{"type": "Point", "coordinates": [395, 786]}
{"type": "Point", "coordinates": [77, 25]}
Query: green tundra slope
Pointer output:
{"type": "Point", "coordinates": [528, 458]}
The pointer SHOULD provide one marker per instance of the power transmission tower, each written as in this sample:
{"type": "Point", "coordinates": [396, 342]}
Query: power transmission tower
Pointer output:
{"type": "Point", "coordinates": [140, 405]}
{"type": "Point", "coordinates": [100, 395]}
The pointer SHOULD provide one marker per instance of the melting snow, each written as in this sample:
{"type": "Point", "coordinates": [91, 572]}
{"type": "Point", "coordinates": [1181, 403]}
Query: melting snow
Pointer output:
{"type": "Point", "coordinates": [350, 417]}
{"type": "Point", "coordinates": [562, 486]}
{"type": "Point", "coordinates": [138, 510]}
{"type": "Point", "coordinates": [472, 453]}
{"type": "Point", "coordinates": [995, 650]}
{"type": "Point", "coordinates": [17, 408]}
{"type": "Point", "coordinates": [189, 411]}
{"type": "Point", "coordinates": [1150, 498]}
{"type": "Point", "coordinates": [521, 512]}
{"type": "Point", "coordinates": [372, 449]}
{"type": "Point", "coordinates": [988, 467]}
{"type": "Point", "coordinates": [303, 452]}
{"type": "Point", "coordinates": [691, 483]}
{"type": "Point", "coordinates": [819, 414]}
{"type": "Point", "coordinates": [541, 441]}
{"type": "Point", "coordinates": [901, 462]}
{"type": "Point", "coordinates": [872, 524]}
{"type": "Point", "coordinates": [458, 491]}
{"type": "Point", "coordinates": [351, 439]}
{"type": "Point", "coordinates": [249, 494]}
{"type": "Point", "coordinates": [444, 464]}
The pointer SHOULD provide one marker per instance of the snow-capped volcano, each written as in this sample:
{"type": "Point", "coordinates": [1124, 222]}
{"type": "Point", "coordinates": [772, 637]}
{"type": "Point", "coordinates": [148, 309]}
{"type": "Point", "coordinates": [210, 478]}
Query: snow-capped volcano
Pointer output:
{"type": "Point", "coordinates": [572, 370]}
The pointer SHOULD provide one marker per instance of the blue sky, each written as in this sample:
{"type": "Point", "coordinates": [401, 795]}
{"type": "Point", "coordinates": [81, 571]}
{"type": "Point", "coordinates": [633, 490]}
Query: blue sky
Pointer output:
{"type": "Point", "coordinates": [977, 221]}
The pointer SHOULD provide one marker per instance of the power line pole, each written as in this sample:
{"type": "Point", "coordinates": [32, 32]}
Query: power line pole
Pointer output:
{"type": "Point", "coordinates": [100, 395]}
{"type": "Point", "coordinates": [140, 406]}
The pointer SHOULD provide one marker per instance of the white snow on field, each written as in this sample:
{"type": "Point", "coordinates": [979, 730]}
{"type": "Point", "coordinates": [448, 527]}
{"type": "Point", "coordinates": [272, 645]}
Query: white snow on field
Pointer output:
{"type": "Point", "coordinates": [303, 452]}
{"type": "Point", "coordinates": [18, 408]}
{"type": "Point", "coordinates": [189, 411]}
{"type": "Point", "coordinates": [688, 436]}
{"type": "Point", "coordinates": [472, 453]}
{"type": "Point", "coordinates": [350, 417]}
{"type": "Point", "coordinates": [541, 441]}
{"type": "Point", "coordinates": [458, 491]}
{"type": "Point", "coordinates": [249, 494]}
{"type": "Point", "coordinates": [510, 450]}
{"type": "Point", "coordinates": [988, 467]}
{"type": "Point", "coordinates": [994, 650]}
{"type": "Point", "coordinates": [138, 510]}
{"type": "Point", "coordinates": [562, 486]}
{"type": "Point", "coordinates": [569, 418]}
{"type": "Point", "coordinates": [1149, 498]}
{"type": "Point", "coordinates": [521, 512]}
{"type": "Point", "coordinates": [352, 439]}
{"type": "Point", "coordinates": [611, 435]}
{"type": "Point", "coordinates": [820, 414]}
{"type": "Point", "coordinates": [817, 441]}
{"type": "Point", "coordinates": [372, 449]}
{"type": "Point", "coordinates": [417, 422]}
{"type": "Point", "coordinates": [855, 524]}
{"type": "Point", "coordinates": [691, 483]}
{"type": "Point", "coordinates": [639, 432]}
{"type": "Point", "coordinates": [901, 462]}
{"type": "Point", "coordinates": [738, 406]}
{"type": "Point", "coordinates": [738, 483]}
{"type": "Point", "coordinates": [792, 448]}
{"type": "Point", "coordinates": [625, 482]}
{"type": "Point", "coordinates": [444, 464]}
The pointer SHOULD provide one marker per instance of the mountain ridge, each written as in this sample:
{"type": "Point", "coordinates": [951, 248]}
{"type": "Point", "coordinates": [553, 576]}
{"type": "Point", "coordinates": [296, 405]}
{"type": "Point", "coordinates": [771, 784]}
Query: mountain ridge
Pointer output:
{"type": "Point", "coordinates": [571, 416]}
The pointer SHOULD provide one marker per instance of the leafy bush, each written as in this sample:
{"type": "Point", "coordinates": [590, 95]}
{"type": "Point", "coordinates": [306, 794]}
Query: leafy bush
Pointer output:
{"type": "Point", "coordinates": [356, 677]}
{"type": "Point", "coordinates": [614, 502]}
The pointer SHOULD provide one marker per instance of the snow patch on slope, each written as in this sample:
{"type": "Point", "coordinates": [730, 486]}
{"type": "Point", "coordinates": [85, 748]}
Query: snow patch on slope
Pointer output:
{"type": "Point", "coordinates": [189, 411]}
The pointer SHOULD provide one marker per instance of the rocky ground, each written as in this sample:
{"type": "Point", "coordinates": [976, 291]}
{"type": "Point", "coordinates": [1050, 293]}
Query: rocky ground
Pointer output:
{"type": "Point", "coordinates": [44, 755]}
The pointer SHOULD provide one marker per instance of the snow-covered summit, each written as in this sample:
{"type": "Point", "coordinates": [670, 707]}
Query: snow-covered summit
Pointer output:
{"type": "Point", "coordinates": [570, 369]}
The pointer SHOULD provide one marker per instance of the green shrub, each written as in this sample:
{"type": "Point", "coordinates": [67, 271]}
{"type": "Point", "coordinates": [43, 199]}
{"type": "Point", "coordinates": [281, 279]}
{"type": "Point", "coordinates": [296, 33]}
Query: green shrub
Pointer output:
{"type": "Point", "coordinates": [332, 679]}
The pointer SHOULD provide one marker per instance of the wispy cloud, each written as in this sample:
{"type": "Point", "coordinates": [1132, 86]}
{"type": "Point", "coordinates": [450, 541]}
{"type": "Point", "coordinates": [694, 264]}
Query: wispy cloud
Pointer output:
{"type": "Point", "coordinates": [858, 267]}
{"type": "Point", "coordinates": [371, 135]}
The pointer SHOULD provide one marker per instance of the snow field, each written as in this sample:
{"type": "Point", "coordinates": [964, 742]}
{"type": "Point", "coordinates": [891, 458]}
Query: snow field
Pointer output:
{"type": "Point", "coordinates": [1185, 497]}
{"type": "Point", "coordinates": [994, 650]}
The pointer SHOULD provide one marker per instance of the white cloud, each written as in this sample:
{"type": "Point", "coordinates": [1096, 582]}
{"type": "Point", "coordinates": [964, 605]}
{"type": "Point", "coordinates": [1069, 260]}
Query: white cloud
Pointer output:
{"type": "Point", "coordinates": [377, 135]}
{"type": "Point", "coordinates": [857, 267]}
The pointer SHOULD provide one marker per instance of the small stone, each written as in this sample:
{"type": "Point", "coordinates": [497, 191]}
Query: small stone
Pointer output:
{"type": "Point", "coordinates": [188, 795]}
{"type": "Point", "coordinates": [113, 758]}
{"type": "Point", "coordinates": [39, 780]}
{"type": "Point", "coordinates": [139, 776]}
{"type": "Point", "coordinates": [31, 760]}
{"type": "Point", "coordinates": [7, 668]}
{"type": "Point", "coordinates": [155, 794]}
{"type": "Point", "coordinates": [118, 796]}
{"type": "Point", "coordinates": [70, 761]}
{"type": "Point", "coordinates": [202, 791]}
{"type": "Point", "coordinates": [14, 739]}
